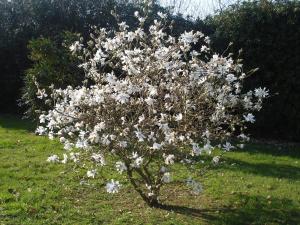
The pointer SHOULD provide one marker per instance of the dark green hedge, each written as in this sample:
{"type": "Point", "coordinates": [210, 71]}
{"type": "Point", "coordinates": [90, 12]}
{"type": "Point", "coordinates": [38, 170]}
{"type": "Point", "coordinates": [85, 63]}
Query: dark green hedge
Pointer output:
{"type": "Point", "coordinates": [269, 34]}
{"type": "Point", "coordinates": [53, 64]}
{"type": "Point", "coordinates": [24, 20]}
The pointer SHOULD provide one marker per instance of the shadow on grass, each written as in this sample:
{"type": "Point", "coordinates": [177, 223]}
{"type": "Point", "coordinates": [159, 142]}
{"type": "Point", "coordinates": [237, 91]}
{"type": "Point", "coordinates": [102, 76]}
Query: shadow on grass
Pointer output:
{"type": "Point", "coordinates": [291, 150]}
{"type": "Point", "coordinates": [260, 210]}
{"type": "Point", "coordinates": [206, 214]}
{"type": "Point", "coordinates": [263, 169]}
{"type": "Point", "coordinates": [15, 122]}
{"type": "Point", "coordinates": [244, 209]}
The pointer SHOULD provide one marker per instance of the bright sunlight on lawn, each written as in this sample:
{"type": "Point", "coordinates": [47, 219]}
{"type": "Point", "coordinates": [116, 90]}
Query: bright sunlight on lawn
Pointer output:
{"type": "Point", "coordinates": [260, 185]}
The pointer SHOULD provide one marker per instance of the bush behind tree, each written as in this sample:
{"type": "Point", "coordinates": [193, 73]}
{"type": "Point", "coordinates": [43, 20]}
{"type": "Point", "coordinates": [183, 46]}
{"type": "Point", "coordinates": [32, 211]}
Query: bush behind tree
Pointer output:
{"type": "Point", "coordinates": [24, 20]}
{"type": "Point", "coordinates": [53, 65]}
{"type": "Point", "coordinates": [268, 32]}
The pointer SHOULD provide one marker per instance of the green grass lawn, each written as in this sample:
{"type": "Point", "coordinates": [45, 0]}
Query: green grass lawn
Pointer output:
{"type": "Point", "coordinates": [259, 185]}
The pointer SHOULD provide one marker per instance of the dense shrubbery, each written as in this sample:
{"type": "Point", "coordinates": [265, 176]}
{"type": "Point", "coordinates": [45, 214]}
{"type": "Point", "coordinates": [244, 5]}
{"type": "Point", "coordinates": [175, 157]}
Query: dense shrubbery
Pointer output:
{"type": "Point", "coordinates": [269, 34]}
{"type": "Point", "coordinates": [23, 20]}
{"type": "Point", "coordinates": [53, 64]}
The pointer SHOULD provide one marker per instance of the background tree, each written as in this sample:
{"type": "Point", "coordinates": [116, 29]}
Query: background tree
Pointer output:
{"type": "Point", "coordinates": [23, 20]}
{"type": "Point", "coordinates": [268, 32]}
{"type": "Point", "coordinates": [53, 65]}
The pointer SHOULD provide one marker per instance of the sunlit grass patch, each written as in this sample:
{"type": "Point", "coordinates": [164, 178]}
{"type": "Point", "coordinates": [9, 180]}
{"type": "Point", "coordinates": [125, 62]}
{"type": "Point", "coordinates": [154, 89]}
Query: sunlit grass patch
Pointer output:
{"type": "Point", "coordinates": [259, 185]}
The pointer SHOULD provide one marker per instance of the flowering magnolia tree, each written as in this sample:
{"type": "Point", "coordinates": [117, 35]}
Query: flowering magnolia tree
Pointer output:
{"type": "Point", "coordinates": [151, 100]}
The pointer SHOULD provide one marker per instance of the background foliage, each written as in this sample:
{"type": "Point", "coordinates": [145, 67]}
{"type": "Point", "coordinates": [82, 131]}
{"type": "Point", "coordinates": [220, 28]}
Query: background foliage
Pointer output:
{"type": "Point", "coordinates": [23, 20]}
{"type": "Point", "coordinates": [269, 34]}
{"type": "Point", "coordinates": [53, 64]}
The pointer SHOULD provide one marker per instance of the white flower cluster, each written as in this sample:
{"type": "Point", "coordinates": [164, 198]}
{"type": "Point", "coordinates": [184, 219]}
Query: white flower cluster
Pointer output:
{"type": "Point", "coordinates": [151, 93]}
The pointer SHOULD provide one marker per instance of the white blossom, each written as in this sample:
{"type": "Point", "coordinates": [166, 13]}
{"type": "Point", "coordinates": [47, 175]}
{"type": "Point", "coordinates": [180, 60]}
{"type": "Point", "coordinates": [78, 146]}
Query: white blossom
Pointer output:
{"type": "Point", "coordinates": [156, 146]}
{"type": "Point", "coordinates": [41, 94]}
{"type": "Point", "coordinates": [162, 15]}
{"type": "Point", "coordinates": [121, 167]}
{"type": "Point", "coordinates": [207, 148]}
{"type": "Point", "coordinates": [123, 144]}
{"type": "Point", "coordinates": [141, 118]}
{"type": "Point", "coordinates": [53, 158]}
{"type": "Point", "coordinates": [122, 98]}
{"type": "Point", "coordinates": [261, 92]}
{"type": "Point", "coordinates": [216, 159]}
{"type": "Point", "coordinates": [98, 158]}
{"type": "Point", "coordinates": [74, 156]}
{"type": "Point", "coordinates": [178, 117]}
{"type": "Point", "coordinates": [244, 137]}
{"type": "Point", "coordinates": [227, 146]}
{"type": "Point", "coordinates": [204, 48]}
{"type": "Point", "coordinates": [42, 118]}
{"type": "Point", "coordinates": [65, 160]}
{"type": "Point", "coordinates": [91, 173]}
{"type": "Point", "coordinates": [113, 186]}
{"type": "Point", "coordinates": [137, 162]}
{"type": "Point", "coordinates": [140, 136]}
{"type": "Point", "coordinates": [188, 37]}
{"type": "Point", "coordinates": [149, 101]}
{"type": "Point", "coordinates": [76, 46]}
{"type": "Point", "coordinates": [196, 149]}
{"type": "Point", "coordinates": [166, 178]}
{"type": "Point", "coordinates": [231, 78]}
{"type": "Point", "coordinates": [40, 130]}
{"type": "Point", "coordinates": [169, 159]}
{"type": "Point", "coordinates": [249, 118]}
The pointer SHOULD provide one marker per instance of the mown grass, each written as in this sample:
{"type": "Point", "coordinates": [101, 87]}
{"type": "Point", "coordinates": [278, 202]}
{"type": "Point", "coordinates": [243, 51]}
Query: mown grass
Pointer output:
{"type": "Point", "coordinates": [259, 185]}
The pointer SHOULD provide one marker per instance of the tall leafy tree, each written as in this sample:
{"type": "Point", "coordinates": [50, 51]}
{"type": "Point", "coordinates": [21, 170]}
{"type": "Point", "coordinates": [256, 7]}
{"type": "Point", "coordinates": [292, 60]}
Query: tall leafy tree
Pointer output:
{"type": "Point", "coordinates": [269, 34]}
